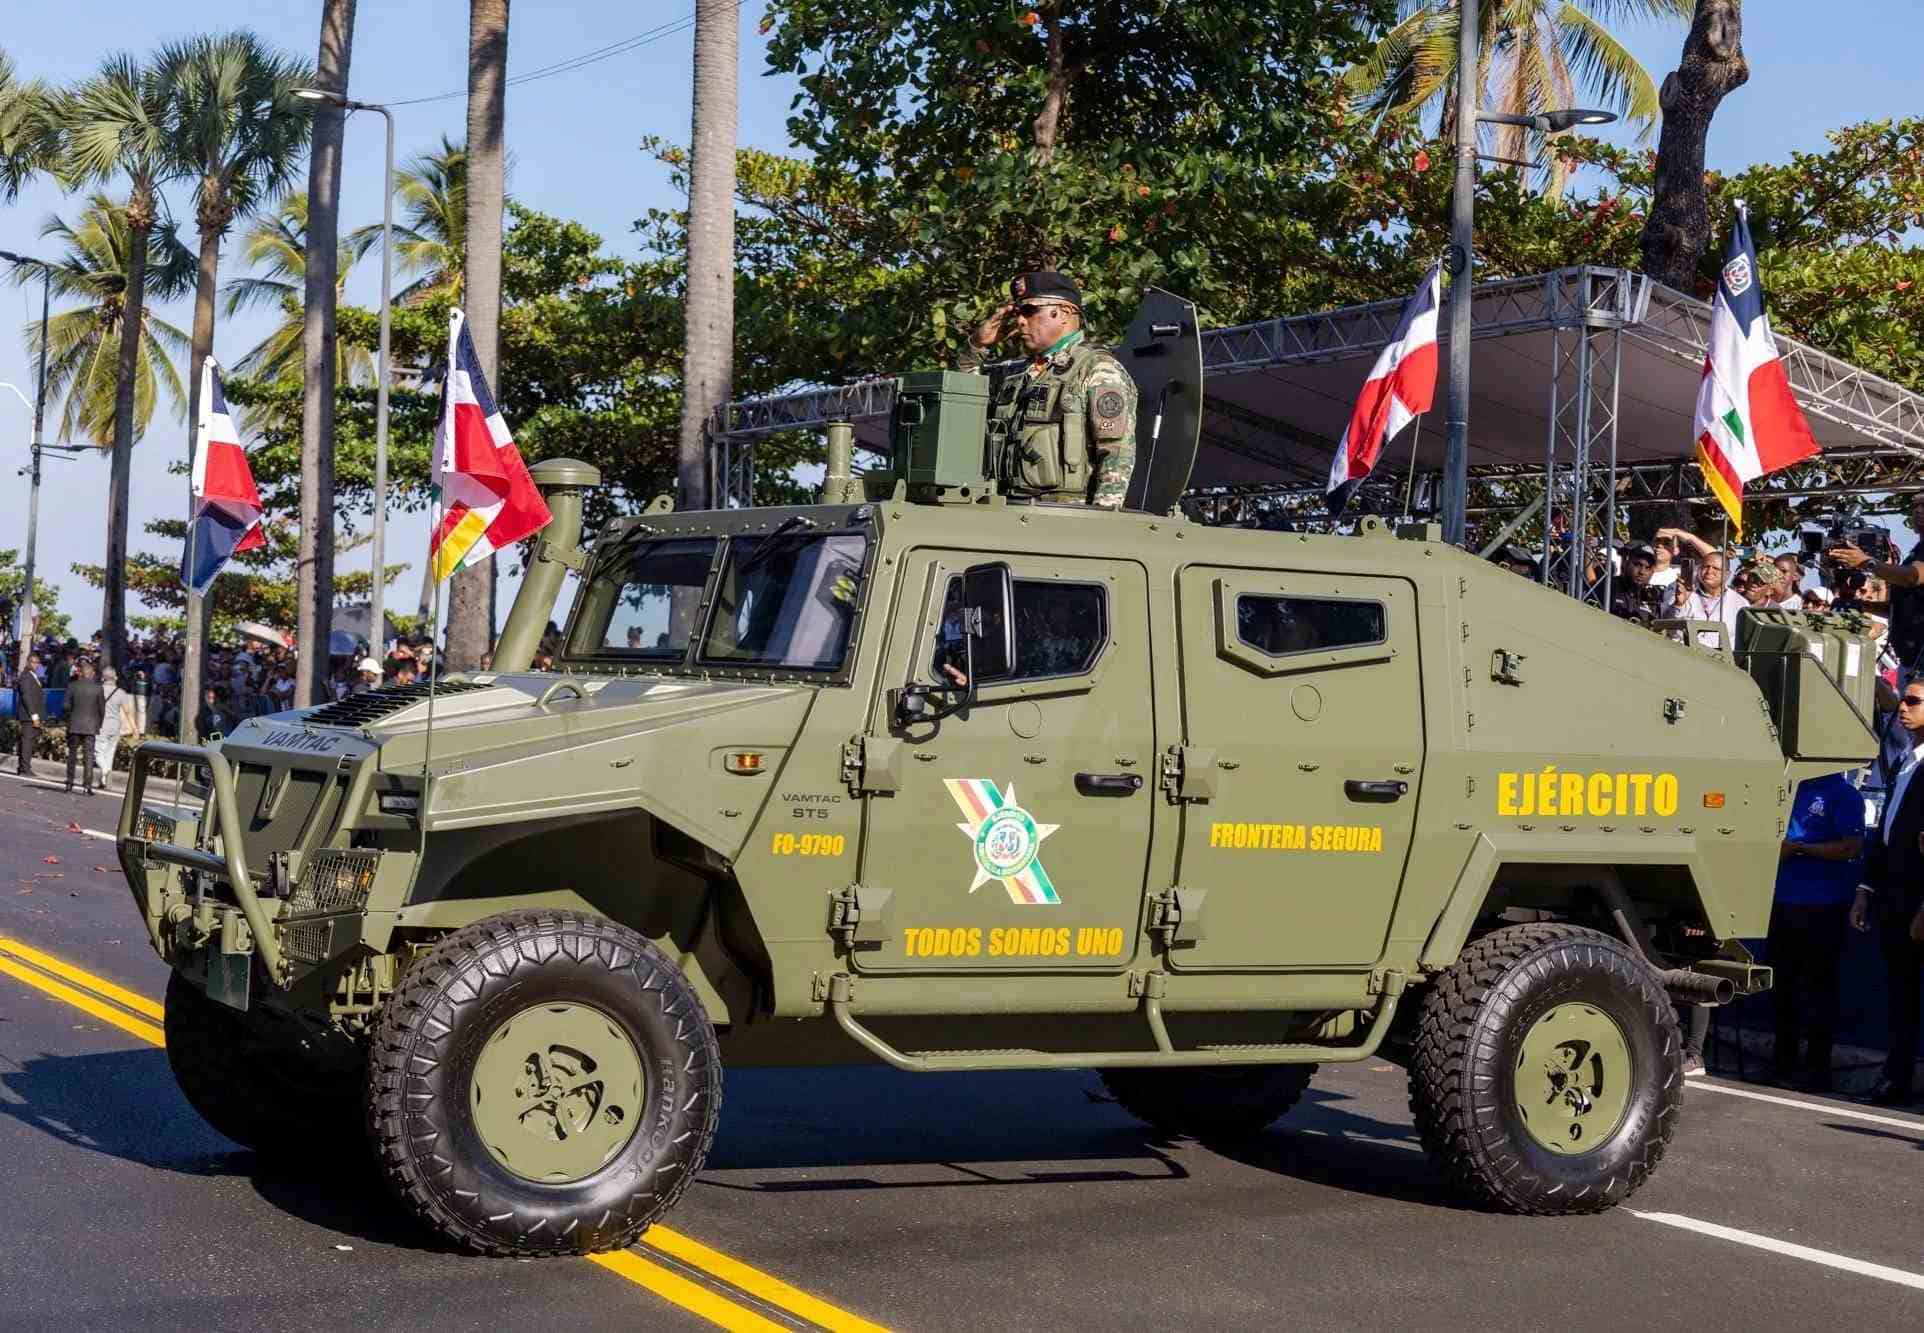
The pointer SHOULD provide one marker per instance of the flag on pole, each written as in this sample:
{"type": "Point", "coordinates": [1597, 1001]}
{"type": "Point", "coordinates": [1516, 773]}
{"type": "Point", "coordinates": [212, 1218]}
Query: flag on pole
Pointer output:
{"type": "Point", "coordinates": [1747, 422]}
{"type": "Point", "coordinates": [1401, 386]}
{"type": "Point", "coordinates": [227, 507]}
{"type": "Point", "coordinates": [487, 498]}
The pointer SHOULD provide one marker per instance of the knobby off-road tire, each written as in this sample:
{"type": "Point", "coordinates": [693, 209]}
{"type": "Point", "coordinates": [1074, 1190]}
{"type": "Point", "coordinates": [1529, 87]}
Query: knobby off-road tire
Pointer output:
{"type": "Point", "coordinates": [249, 1077]}
{"type": "Point", "coordinates": [1547, 1073]}
{"type": "Point", "coordinates": [1233, 1102]}
{"type": "Point", "coordinates": [589, 1027]}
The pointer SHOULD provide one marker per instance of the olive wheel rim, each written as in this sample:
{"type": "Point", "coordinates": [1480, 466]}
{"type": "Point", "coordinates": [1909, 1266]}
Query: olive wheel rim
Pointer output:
{"type": "Point", "coordinates": [1574, 1077]}
{"type": "Point", "coordinates": [557, 1092]}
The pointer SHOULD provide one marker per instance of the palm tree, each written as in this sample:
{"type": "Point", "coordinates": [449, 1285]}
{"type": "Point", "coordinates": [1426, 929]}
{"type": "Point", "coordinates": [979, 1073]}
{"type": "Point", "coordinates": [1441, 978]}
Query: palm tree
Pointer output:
{"type": "Point", "coordinates": [28, 144]}
{"type": "Point", "coordinates": [277, 244]}
{"type": "Point", "coordinates": [471, 599]}
{"type": "Point", "coordinates": [431, 238]}
{"type": "Point", "coordinates": [240, 135]}
{"type": "Point", "coordinates": [83, 343]}
{"type": "Point", "coordinates": [314, 568]}
{"type": "Point", "coordinates": [709, 308]}
{"type": "Point", "coordinates": [120, 123]}
{"type": "Point", "coordinates": [1535, 55]}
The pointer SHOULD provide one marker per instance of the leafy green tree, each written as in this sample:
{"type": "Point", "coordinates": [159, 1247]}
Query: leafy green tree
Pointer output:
{"type": "Point", "coordinates": [1533, 55]}
{"type": "Point", "coordinates": [83, 342]}
{"type": "Point", "coordinates": [46, 599]}
{"type": "Point", "coordinates": [120, 124]}
{"type": "Point", "coordinates": [29, 143]}
{"type": "Point", "coordinates": [431, 238]}
{"type": "Point", "coordinates": [276, 246]}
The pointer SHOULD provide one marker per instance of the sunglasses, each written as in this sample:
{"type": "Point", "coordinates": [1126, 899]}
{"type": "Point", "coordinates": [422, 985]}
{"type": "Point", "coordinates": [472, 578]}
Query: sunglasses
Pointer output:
{"type": "Point", "coordinates": [1031, 310]}
{"type": "Point", "coordinates": [1910, 701]}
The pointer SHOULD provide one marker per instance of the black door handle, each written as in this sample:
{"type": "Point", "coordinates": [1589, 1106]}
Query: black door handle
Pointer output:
{"type": "Point", "coordinates": [1374, 791]}
{"type": "Point", "coordinates": [1108, 784]}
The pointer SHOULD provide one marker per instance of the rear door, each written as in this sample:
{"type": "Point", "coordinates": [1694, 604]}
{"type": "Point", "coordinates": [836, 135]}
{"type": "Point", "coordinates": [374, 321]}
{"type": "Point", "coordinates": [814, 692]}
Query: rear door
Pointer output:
{"type": "Point", "coordinates": [1017, 834]}
{"type": "Point", "coordinates": [1304, 722]}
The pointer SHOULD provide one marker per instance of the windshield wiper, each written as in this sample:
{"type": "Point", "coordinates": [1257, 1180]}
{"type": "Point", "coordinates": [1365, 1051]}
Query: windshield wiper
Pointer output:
{"type": "Point", "coordinates": [630, 537]}
{"type": "Point", "coordinates": [763, 553]}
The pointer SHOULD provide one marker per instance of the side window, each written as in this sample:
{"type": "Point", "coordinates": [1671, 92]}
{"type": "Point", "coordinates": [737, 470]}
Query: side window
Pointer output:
{"type": "Point", "coordinates": [1060, 628]}
{"type": "Point", "coordinates": [1279, 626]}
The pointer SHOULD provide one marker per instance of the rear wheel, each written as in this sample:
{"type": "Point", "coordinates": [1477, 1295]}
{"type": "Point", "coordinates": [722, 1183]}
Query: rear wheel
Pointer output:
{"type": "Point", "coordinates": [543, 1083]}
{"type": "Point", "coordinates": [1231, 1102]}
{"type": "Point", "coordinates": [1547, 1075]}
{"type": "Point", "coordinates": [259, 1079]}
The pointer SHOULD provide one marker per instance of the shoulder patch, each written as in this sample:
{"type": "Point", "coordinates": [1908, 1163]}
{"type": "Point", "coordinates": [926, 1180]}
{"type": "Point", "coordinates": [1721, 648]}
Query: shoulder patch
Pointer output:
{"type": "Point", "coordinates": [1109, 403]}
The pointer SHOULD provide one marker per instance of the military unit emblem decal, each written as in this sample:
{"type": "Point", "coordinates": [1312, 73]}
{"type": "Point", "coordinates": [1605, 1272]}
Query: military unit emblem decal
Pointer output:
{"type": "Point", "coordinates": [1007, 840]}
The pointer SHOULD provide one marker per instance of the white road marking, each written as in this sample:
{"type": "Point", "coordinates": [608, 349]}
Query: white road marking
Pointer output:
{"type": "Point", "coordinates": [1824, 1108]}
{"type": "Point", "coordinates": [1862, 1267]}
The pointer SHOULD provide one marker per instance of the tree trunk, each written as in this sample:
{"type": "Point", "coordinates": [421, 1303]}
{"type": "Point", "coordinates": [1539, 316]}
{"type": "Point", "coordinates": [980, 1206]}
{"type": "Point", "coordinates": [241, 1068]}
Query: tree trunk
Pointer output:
{"type": "Point", "coordinates": [314, 564]}
{"type": "Point", "coordinates": [1678, 230]}
{"type": "Point", "coordinates": [203, 346]}
{"type": "Point", "coordinates": [471, 592]}
{"type": "Point", "coordinates": [1048, 124]}
{"type": "Point", "coordinates": [133, 315]}
{"type": "Point", "coordinates": [708, 352]}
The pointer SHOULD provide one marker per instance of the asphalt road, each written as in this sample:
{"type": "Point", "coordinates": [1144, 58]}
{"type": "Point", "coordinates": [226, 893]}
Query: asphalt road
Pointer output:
{"type": "Point", "coordinates": [848, 1199]}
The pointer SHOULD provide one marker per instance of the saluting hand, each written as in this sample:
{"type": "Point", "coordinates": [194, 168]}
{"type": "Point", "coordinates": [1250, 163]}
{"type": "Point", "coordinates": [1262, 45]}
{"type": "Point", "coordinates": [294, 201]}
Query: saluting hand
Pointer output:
{"type": "Point", "coordinates": [993, 329]}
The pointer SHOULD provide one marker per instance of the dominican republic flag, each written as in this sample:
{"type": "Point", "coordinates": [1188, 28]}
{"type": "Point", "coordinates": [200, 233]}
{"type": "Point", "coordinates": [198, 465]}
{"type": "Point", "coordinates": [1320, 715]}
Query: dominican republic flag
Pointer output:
{"type": "Point", "coordinates": [227, 507]}
{"type": "Point", "coordinates": [488, 501]}
{"type": "Point", "coordinates": [1401, 385]}
{"type": "Point", "coordinates": [1747, 422]}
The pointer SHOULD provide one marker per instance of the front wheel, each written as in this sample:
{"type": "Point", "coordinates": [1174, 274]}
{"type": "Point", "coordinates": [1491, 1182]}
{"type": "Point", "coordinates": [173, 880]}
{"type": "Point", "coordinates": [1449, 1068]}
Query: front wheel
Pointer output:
{"type": "Point", "coordinates": [1547, 1074]}
{"type": "Point", "coordinates": [543, 1083]}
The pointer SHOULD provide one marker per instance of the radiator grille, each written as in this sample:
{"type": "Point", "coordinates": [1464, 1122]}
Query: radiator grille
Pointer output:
{"type": "Point", "coordinates": [360, 709]}
{"type": "Point", "coordinates": [308, 941]}
{"type": "Point", "coordinates": [333, 881]}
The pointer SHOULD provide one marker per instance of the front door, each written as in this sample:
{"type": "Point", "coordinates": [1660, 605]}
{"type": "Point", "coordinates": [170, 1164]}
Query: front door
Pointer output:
{"type": "Point", "coordinates": [1304, 727]}
{"type": "Point", "coordinates": [1017, 836]}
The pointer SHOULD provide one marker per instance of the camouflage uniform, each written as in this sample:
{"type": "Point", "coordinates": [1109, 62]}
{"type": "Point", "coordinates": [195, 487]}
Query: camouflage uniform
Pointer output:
{"type": "Point", "coordinates": [1064, 428]}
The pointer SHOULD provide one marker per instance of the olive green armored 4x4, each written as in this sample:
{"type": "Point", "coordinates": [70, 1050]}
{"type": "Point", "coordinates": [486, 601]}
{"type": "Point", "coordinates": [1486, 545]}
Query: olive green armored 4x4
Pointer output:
{"type": "Point", "coordinates": [933, 776]}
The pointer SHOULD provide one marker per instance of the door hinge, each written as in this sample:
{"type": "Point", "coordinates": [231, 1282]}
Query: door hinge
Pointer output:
{"type": "Point", "coordinates": [872, 765]}
{"type": "Point", "coordinates": [859, 914]}
{"type": "Point", "coordinates": [1189, 773]}
{"type": "Point", "coordinates": [1176, 916]}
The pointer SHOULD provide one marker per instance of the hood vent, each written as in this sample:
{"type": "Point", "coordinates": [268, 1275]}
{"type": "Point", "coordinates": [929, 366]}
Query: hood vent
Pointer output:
{"type": "Point", "coordinates": [360, 709]}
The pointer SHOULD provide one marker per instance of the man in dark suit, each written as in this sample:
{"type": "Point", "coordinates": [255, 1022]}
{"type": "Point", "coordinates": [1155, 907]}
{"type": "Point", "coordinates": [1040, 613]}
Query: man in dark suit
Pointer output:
{"type": "Point", "coordinates": [86, 714]}
{"type": "Point", "coordinates": [1892, 897]}
{"type": "Point", "coordinates": [29, 706]}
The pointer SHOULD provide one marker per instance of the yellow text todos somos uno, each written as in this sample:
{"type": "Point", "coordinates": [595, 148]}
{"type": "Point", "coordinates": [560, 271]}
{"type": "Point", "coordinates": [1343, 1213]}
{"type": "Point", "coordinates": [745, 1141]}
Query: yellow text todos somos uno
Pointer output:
{"type": "Point", "coordinates": [1547, 792]}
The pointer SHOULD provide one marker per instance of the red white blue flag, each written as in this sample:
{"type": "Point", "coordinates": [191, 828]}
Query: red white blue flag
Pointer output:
{"type": "Point", "coordinates": [1747, 422]}
{"type": "Point", "coordinates": [1401, 386]}
{"type": "Point", "coordinates": [227, 507]}
{"type": "Point", "coordinates": [488, 500]}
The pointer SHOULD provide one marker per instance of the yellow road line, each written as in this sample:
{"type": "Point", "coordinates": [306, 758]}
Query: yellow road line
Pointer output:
{"type": "Point", "coordinates": [690, 1296]}
{"type": "Point", "coordinates": [106, 1013]}
{"type": "Point", "coordinates": [140, 1004]}
{"type": "Point", "coordinates": [669, 1285]}
{"type": "Point", "coordinates": [755, 1282]}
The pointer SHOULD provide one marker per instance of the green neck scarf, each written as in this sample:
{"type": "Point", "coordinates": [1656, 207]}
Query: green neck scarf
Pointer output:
{"type": "Point", "coordinates": [1062, 344]}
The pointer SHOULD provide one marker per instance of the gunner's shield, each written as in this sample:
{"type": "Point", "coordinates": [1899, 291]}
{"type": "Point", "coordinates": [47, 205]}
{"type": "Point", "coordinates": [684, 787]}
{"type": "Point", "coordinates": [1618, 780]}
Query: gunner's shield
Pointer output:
{"type": "Point", "coordinates": [1163, 354]}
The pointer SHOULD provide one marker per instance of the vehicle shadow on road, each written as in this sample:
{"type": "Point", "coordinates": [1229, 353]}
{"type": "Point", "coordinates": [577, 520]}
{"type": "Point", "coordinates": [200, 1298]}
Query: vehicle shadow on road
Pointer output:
{"type": "Point", "coordinates": [973, 1129]}
{"type": "Point", "coordinates": [1326, 1141]}
{"type": "Point", "coordinates": [125, 1104]}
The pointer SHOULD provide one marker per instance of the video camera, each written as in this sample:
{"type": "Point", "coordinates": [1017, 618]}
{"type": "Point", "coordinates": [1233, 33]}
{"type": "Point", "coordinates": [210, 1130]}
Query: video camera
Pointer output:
{"type": "Point", "coordinates": [1866, 537]}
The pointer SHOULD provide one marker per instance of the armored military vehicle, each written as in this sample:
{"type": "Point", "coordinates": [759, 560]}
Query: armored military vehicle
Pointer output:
{"type": "Point", "coordinates": [930, 775]}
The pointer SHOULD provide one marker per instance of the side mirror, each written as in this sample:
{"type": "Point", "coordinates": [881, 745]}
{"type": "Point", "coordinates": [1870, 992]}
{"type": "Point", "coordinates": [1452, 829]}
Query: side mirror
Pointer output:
{"type": "Point", "coordinates": [988, 601]}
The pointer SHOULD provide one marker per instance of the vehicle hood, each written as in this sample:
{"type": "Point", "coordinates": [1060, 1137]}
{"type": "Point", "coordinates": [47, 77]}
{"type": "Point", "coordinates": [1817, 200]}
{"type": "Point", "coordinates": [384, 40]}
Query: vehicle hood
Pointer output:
{"type": "Point", "coordinates": [506, 748]}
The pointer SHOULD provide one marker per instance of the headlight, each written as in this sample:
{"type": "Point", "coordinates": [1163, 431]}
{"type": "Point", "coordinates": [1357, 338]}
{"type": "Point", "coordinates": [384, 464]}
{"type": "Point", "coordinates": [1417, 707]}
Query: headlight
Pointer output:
{"type": "Point", "coordinates": [150, 825]}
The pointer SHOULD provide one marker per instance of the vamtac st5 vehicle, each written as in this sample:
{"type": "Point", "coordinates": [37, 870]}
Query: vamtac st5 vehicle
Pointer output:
{"type": "Point", "coordinates": [931, 775]}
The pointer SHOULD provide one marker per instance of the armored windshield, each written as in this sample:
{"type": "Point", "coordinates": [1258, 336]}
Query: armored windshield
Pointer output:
{"type": "Point", "coordinates": [643, 601]}
{"type": "Point", "coordinates": [786, 601]}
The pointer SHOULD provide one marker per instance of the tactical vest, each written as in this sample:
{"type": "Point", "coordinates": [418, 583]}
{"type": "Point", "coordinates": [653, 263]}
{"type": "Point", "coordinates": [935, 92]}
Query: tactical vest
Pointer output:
{"type": "Point", "coordinates": [1039, 428]}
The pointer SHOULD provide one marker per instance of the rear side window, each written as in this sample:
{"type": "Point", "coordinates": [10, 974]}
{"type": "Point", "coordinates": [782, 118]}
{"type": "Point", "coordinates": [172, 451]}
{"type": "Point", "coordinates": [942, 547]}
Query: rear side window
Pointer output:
{"type": "Point", "coordinates": [1280, 626]}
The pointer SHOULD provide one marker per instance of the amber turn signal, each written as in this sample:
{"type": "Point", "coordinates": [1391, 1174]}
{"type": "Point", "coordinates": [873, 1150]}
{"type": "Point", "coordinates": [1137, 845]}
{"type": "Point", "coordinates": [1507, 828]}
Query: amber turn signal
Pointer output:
{"type": "Point", "coordinates": [748, 763]}
{"type": "Point", "coordinates": [1713, 800]}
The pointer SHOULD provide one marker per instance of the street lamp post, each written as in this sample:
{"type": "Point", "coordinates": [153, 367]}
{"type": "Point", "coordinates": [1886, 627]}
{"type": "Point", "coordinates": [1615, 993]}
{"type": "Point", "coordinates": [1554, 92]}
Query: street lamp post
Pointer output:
{"type": "Point", "coordinates": [1462, 258]}
{"type": "Point", "coordinates": [28, 602]}
{"type": "Point", "coordinates": [377, 592]}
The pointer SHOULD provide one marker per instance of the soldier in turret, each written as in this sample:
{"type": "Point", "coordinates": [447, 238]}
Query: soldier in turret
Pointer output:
{"type": "Point", "coordinates": [1065, 427]}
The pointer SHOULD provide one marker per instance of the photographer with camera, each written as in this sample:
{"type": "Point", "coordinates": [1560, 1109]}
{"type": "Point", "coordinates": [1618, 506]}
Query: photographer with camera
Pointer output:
{"type": "Point", "coordinates": [1633, 597]}
{"type": "Point", "coordinates": [1904, 582]}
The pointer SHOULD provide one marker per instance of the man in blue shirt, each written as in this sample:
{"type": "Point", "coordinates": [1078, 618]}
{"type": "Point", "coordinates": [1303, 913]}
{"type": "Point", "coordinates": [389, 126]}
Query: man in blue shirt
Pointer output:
{"type": "Point", "coordinates": [1817, 873]}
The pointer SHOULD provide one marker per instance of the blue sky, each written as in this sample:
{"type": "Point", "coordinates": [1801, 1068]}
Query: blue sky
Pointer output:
{"type": "Point", "coordinates": [574, 144]}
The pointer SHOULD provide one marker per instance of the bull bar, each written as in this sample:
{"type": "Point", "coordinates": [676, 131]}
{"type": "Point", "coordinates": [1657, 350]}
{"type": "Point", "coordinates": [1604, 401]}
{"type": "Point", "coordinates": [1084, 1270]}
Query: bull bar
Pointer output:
{"type": "Point", "coordinates": [230, 865]}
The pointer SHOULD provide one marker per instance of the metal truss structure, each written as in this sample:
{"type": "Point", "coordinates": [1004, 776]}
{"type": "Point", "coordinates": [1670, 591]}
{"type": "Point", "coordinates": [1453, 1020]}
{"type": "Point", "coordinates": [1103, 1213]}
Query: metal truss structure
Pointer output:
{"type": "Point", "coordinates": [1593, 320]}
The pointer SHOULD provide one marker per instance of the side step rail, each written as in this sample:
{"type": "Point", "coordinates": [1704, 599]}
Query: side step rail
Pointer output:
{"type": "Point", "coordinates": [840, 994]}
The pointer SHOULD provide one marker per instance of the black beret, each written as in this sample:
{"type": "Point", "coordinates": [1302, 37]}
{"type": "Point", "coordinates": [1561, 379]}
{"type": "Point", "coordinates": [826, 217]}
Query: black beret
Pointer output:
{"type": "Point", "coordinates": [1037, 286]}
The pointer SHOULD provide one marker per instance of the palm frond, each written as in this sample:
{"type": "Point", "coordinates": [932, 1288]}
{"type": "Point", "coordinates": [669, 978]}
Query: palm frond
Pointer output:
{"type": "Point", "coordinates": [1606, 68]}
